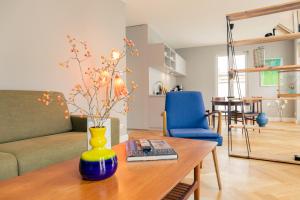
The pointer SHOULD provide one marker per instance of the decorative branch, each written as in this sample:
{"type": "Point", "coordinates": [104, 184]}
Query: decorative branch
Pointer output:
{"type": "Point", "coordinates": [103, 88]}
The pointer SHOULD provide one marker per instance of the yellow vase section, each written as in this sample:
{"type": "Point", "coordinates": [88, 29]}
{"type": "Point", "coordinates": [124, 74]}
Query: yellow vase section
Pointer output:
{"type": "Point", "coordinates": [98, 151]}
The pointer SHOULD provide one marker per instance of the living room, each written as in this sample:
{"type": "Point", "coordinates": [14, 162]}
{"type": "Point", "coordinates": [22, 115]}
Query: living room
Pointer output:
{"type": "Point", "coordinates": [213, 83]}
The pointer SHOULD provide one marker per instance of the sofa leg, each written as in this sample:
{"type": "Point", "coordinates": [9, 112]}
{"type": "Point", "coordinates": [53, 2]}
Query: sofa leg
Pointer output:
{"type": "Point", "coordinates": [214, 152]}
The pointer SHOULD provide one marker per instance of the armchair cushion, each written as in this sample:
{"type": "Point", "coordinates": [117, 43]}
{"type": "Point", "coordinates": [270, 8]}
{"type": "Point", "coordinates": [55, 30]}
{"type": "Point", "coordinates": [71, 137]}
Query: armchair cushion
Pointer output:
{"type": "Point", "coordinates": [197, 133]}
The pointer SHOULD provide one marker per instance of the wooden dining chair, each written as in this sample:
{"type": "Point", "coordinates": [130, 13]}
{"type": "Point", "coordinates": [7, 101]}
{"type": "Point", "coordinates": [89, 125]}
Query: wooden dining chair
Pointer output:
{"type": "Point", "coordinates": [252, 109]}
{"type": "Point", "coordinates": [214, 101]}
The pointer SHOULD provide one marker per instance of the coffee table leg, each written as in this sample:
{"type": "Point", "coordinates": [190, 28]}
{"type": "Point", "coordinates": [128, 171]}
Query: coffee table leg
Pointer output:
{"type": "Point", "coordinates": [197, 179]}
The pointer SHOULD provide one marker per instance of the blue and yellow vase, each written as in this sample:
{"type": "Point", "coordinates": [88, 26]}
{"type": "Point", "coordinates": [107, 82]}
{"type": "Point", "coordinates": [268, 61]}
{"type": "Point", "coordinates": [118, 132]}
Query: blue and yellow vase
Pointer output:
{"type": "Point", "coordinates": [98, 163]}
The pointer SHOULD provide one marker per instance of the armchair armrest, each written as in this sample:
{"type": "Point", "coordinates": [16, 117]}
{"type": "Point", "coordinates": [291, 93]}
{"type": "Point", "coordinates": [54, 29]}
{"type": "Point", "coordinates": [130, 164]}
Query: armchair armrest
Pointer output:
{"type": "Point", "coordinates": [212, 112]}
{"type": "Point", "coordinates": [164, 115]}
{"type": "Point", "coordinates": [79, 124]}
{"type": "Point", "coordinates": [219, 128]}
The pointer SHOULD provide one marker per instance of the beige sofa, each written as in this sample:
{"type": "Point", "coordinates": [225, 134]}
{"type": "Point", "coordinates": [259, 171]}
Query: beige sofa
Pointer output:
{"type": "Point", "coordinates": [33, 135]}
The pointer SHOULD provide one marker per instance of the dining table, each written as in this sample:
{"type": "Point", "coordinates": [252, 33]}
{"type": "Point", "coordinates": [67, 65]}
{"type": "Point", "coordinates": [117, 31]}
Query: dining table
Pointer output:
{"type": "Point", "coordinates": [231, 106]}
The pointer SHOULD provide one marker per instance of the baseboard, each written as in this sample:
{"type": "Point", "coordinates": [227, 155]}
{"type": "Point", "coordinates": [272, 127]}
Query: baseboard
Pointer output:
{"type": "Point", "coordinates": [149, 129]}
{"type": "Point", "coordinates": [284, 119]}
{"type": "Point", "coordinates": [155, 129]}
{"type": "Point", "coordinates": [123, 137]}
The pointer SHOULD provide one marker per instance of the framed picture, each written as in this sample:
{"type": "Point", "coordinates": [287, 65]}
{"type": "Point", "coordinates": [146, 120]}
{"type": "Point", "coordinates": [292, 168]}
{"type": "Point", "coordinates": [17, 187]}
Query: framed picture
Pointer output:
{"type": "Point", "coordinates": [270, 78]}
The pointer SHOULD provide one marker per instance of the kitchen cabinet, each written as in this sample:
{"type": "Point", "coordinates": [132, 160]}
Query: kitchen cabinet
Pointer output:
{"type": "Point", "coordinates": [174, 63]}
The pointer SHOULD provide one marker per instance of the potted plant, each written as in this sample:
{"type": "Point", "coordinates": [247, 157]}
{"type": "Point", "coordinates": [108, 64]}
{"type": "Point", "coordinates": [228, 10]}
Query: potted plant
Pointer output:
{"type": "Point", "coordinates": [101, 88]}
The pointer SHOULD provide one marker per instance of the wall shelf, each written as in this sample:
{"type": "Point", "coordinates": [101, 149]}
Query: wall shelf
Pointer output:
{"type": "Point", "coordinates": [278, 68]}
{"type": "Point", "coordinates": [261, 40]}
{"type": "Point", "coordinates": [264, 11]}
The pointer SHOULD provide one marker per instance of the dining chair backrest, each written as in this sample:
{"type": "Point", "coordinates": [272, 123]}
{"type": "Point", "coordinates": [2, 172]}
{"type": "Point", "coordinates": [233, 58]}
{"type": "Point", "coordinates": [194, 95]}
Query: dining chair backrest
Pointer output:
{"type": "Point", "coordinates": [218, 98]}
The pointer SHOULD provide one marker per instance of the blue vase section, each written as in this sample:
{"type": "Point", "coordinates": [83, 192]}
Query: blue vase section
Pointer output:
{"type": "Point", "coordinates": [262, 119]}
{"type": "Point", "coordinates": [98, 170]}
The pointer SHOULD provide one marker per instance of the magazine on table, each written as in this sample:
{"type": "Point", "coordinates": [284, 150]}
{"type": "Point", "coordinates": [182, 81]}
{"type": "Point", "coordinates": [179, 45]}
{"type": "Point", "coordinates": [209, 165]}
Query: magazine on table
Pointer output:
{"type": "Point", "coordinates": [144, 150]}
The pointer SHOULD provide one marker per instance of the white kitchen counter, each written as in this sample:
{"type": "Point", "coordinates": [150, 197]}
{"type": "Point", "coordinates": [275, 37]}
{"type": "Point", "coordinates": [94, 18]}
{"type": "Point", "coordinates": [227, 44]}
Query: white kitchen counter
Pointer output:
{"type": "Point", "coordinates": [153, 95]}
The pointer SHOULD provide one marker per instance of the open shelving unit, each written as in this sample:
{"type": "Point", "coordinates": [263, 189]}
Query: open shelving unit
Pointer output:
{"type": "Point", "coordinates": [266, 68]}
{"type": "Point", "coordinates": [263, 11]}
{"type": "Point", "coordinates": [254, 127]}
{"type": "Point", "coordinates": [288, 95]}
{"type": "Point", "coordinates": [248, 99]}
{"type": "Point", "coordinates": [262, 40]}
{"type": "Point", "coordinates": [234, 72]}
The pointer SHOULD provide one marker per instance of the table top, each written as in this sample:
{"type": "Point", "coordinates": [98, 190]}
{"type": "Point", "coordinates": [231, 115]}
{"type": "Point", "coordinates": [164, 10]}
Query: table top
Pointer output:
{"type": "Point", "coordinates": [135, 180]}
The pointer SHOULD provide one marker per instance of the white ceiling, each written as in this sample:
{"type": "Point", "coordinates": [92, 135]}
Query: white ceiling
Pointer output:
{"type": "Point", "coordinates": [187, 23]}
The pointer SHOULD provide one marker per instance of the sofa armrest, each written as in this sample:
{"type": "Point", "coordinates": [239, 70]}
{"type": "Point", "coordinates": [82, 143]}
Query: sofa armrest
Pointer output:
{"type": "Point", "coordinates": [79, 123]}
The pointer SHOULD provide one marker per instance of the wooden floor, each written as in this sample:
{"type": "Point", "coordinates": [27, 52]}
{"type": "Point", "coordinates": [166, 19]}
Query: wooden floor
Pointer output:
{"type": "Point", "coordinates": [245, 179]}
{"type": "Point", "coordinates": [280, 144]}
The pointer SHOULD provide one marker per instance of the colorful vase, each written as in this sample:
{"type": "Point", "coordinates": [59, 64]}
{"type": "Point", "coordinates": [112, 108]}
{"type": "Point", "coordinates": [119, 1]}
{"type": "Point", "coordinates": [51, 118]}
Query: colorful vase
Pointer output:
{"type": "Point", "coordinates": [262, 119]}
{"type": "Point", "coordinates": [98, 163]}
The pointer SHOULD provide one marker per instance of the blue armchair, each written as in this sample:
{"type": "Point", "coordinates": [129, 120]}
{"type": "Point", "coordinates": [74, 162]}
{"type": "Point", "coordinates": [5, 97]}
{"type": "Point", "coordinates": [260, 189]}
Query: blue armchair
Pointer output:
{"type": "Point", "coordinates": [185, 117]}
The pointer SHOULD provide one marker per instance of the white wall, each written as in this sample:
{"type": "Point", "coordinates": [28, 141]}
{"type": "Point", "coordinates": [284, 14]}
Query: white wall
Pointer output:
{"type": "Point", "coordinates": [33, 42]}
{"type": "Point", "coordinates": [147, 68]}
{"type": "Point", "coordinates": [202, 71]}
{"type": "Point", "coordinates": [138, 115]}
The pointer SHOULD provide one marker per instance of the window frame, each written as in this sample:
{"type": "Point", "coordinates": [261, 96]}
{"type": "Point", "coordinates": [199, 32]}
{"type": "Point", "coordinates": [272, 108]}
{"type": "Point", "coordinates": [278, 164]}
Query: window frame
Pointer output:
{"type": "Point", "coordinates": [246, 53]}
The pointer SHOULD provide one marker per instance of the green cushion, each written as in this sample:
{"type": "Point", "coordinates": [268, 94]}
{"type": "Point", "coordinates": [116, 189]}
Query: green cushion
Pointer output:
{"type": "Point", "coordinates": [22, 116]}
{"type": "Point", "coordinates": [8, 166]}
{"type": "Point", "coordinates": [39, 152]}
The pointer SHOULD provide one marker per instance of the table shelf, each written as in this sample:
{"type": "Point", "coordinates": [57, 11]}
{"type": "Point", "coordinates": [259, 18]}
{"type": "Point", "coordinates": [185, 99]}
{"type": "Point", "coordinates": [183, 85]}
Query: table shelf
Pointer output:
{"type": "Point", "coordinates": [181, 191]}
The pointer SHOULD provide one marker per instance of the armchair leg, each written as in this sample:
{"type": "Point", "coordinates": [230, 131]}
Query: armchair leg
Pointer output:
{"type": "Point", "coordinates": [214, 152]}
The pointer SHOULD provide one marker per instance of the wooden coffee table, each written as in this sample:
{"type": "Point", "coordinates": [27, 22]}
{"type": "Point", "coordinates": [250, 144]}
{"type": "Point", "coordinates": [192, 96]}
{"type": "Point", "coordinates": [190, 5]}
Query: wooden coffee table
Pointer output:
{"type": "Point", "coordinates": [136, 180]}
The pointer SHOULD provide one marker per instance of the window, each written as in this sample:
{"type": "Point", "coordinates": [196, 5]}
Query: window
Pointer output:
{"type": "Point", "coordinates": [223, 76]}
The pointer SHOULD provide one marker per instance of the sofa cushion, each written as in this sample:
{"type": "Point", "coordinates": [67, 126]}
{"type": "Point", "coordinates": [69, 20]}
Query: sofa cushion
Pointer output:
{"type": "Point", "coordinates": [22, 116]}
{"type": "Point", "coordinates": [39, 152]}
{"type": "Point", "coordinates": [8, 166]}
{"type": "Point", "coordinates": [197, 133]}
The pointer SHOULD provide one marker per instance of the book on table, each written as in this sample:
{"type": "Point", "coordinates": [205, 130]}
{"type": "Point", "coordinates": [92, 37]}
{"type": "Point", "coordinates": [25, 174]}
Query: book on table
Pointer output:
{"type": "Point", "coordinates": [158, 150]}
